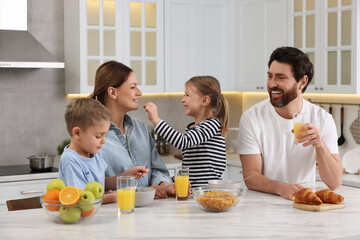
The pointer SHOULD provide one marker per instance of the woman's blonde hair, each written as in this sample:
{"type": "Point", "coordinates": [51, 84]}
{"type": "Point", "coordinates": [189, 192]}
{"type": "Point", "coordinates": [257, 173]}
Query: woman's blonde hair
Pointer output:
{"type": "Point", "coordinates": [109, 74]}
{"type": "Point", "coordinates": [210, 86]}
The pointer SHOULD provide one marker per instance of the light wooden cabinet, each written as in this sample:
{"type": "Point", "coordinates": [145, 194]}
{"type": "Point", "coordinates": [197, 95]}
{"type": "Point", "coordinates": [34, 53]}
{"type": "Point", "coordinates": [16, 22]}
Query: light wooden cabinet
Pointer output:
{"type": "Point", "coordinates": [198, 41]}
{"type": "Point", "coordinates": [97, 31]}
{"type": "Point", "coordinates": [262, 28]}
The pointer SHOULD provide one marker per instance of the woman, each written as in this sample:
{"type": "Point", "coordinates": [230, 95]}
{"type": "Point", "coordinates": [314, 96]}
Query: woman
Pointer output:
{"type": "Point", "coordinates": [128, 143]}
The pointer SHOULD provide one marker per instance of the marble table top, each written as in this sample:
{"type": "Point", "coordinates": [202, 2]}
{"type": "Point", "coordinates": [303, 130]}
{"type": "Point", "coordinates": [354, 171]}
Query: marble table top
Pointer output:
{"type": "Point", "coordinates": [257, 215]}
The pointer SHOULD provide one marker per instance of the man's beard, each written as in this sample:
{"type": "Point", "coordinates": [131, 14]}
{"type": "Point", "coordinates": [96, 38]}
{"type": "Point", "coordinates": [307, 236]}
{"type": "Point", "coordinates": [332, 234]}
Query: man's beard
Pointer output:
{"type": "Point", "coordinates": [286, 97]}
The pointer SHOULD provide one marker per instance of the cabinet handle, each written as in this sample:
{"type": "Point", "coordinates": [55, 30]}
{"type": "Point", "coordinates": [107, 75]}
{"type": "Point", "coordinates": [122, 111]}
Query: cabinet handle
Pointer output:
{"type": "Point", "coordinates": [261, 87]}
{"type": "Point", "coordinates": [316, 88]}
{"type": "Point", "coordinates": [321, 88]}
{"type": "Point", "coordinates": [257, 87]}
{"type": "Point", "coordinates": [33, 191]}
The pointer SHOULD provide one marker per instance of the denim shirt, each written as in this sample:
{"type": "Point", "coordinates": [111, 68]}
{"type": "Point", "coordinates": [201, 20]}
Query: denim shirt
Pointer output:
{"type": "Point", "coordinates": [136, 149]}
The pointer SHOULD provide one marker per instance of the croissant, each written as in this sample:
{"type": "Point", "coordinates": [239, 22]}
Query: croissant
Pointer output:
{"type": "Point", "coordinates": [328, 196]}
{"type": "Point", "coordinates": [306, 196]}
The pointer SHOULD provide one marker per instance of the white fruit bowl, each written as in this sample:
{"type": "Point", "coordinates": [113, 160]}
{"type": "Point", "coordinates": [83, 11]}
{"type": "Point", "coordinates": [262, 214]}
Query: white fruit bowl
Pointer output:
{"type": "Point", "coordinates": [70, 214]}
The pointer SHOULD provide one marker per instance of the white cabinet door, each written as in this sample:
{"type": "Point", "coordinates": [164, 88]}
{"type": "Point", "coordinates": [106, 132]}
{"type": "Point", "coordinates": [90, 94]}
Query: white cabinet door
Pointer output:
{"type": "Point", "coordinates": [127, 31]}
{"type": "Point", "coordinates": [21, 189]}
{"type": "Point", "coordinates": [214, 41]}
{"type": "Point", "coordinates": [262, 29]}
{"type": "Point", "coordinates": [328, 32]}
{"type": "Point", "coordinates": [197, 42]}
{"type": "Point", "coordinates": [180, 43]}
{"type": "Point", "coordinates": [233, 172]}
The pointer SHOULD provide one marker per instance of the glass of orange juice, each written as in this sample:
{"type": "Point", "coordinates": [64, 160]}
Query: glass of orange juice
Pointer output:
{"type": "Point", "coordinates": [299, 120]}
{"type": "Point", "coordinates": [125, 194]}
{"type": "Point", "coordinates": [182, 183]}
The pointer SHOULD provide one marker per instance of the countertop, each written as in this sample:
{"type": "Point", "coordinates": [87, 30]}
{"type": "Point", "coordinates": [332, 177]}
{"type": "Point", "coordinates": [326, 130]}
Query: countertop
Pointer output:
{"type": "Point", "coordinates": [257, 215]}
{"type": "Point", "coordinates": [171, 162]}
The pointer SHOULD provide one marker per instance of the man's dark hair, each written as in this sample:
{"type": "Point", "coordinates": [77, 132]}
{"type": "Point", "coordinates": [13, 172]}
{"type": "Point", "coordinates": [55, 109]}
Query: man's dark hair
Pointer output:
{"type": "Point", "coordinates": [299, 61]}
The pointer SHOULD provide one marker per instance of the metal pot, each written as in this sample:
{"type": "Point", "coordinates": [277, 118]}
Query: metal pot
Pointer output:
{"type": "Point", "coordinates": [41, 162]}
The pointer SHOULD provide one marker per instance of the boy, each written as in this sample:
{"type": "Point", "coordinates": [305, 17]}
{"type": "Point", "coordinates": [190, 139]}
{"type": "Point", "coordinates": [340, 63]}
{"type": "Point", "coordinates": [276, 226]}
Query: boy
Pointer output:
{"type": "Point", "coordinates": [87, 122]}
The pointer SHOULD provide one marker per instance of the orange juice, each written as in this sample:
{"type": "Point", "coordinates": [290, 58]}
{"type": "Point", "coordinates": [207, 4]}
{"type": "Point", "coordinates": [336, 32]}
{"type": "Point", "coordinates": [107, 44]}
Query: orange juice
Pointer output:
{"type": "Point", "coordinates": [126, 198]}
{"type": "Point", "coordinates": [297, 130]}
{"type": "Point", "coordinates": [182, 187]}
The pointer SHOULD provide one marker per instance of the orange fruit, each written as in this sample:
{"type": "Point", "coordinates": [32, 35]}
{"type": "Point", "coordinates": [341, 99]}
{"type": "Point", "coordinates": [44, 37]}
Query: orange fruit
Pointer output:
{"type": "Point", "coordinates": [51, 197]}
{"type": "Point", "coordinates": [69, 195]}
{"type": "Point", "coordinates": [80, 190]}
{"type": "Point", "coordinates": [87, 213]}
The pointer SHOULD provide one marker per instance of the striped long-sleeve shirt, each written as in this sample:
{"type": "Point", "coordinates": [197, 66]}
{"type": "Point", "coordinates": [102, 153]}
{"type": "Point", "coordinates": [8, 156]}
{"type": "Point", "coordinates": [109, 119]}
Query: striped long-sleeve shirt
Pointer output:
{"type": "Point", "coordinates": [203, 149]}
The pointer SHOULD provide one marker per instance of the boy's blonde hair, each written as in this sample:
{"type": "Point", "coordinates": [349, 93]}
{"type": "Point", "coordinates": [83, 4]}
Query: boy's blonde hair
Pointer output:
{"type": "Point", "coordinates": [84, 113]}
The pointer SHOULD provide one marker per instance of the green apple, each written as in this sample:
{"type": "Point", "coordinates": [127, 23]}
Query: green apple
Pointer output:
{"type": "Point", "coordinates": [87, 197]}
{"type": "Point", "coordinates": [55, 184]}
{"type": "Point", "coordinates": [69, 214]}
{"type": "Point", "coordinates": [96, 188]}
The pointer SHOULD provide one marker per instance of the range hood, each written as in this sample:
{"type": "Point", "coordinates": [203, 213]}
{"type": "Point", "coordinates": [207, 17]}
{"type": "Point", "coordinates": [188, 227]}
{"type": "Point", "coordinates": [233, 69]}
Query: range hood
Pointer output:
{"type": "Point", "coordinates": [18, 48]}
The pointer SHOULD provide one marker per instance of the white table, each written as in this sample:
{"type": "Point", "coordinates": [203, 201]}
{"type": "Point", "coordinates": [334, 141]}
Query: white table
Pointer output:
{"type": "Point", "coordinates": [257, 215]}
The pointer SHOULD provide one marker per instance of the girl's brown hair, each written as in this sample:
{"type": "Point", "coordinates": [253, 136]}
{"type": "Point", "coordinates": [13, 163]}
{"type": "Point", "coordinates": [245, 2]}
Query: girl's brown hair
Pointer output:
{"type": "Point", "coordinates": [109, 74]}
{"type": "Point", "coordinates": [210, 86]}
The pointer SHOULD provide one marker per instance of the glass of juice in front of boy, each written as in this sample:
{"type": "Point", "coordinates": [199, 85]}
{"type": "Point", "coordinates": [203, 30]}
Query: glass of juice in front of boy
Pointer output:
{"type": "Point", "coordinates": [182, 183]}
{"type": "Point", "coordinates": [299, 120]}
{"type": "Point", "coordinates": [125, 194]}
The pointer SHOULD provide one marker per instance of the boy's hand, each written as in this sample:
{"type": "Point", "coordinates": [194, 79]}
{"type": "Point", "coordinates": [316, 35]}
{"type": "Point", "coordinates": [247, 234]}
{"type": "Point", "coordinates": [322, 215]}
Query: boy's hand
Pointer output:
{"type": "Point", "coordinates": [152, 111]}
{"type": "Point", "coordinates": [135, 172]}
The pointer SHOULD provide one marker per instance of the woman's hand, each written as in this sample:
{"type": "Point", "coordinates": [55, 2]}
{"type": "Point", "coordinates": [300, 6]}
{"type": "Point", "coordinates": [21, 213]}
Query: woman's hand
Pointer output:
{"type": "Point", "coordinates": [160, 191]}
{"type": "Point", "coordinates": [135, 172]}
{"type": "Point", "coordinates": [152, 111]}
{"type": "Point", "coordinates": [164, 190]}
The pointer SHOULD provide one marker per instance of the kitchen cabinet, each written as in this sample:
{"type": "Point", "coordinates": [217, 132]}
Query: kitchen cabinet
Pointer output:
{"type": "Point", "coordinates": [262, 28]}
{"type": "Point", "coordinates": [197, 35]}
{"type": "Point", "coordinates": [97, 31]}
{"type": "Point", "coordinates": [198, 41]}
{"type": "Point", "coordinates": [327, 32]}
{"type": "Point", "coordinates": [21, 189]}
{"type": "Point", "coordinates": [233, 172]}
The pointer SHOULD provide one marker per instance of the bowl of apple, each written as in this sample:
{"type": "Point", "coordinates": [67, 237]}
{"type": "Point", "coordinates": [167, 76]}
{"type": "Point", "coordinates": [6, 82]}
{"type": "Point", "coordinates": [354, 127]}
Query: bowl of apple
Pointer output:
{"type": "Point", "coordinates": [68, 204]}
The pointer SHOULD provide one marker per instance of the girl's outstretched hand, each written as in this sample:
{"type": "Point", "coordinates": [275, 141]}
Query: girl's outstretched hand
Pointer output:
{"type": "Point", "coordinates": [152, 111]}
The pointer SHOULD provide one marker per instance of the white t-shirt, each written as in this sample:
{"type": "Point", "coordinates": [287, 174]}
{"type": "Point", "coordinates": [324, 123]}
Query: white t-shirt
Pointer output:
{"type": "Point", "coordinates": [263, 131]}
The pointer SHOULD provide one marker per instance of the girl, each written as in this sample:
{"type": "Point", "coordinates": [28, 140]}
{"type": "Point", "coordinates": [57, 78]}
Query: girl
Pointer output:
{"type": "Point", "coordinates": [203, 143]}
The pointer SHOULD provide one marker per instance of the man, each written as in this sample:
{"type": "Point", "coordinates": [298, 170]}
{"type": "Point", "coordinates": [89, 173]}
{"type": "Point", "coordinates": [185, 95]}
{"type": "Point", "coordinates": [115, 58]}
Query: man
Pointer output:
{"type": "Point", "coordinates": [266, 139]}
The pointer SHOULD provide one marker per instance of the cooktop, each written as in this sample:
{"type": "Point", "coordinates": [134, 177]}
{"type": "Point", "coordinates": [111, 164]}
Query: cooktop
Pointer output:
{"type": "Point", "coordinates": [23, 169]}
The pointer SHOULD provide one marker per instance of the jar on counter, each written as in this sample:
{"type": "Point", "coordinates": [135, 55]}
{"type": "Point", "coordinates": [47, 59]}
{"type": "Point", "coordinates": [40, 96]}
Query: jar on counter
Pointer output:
{"type": "Point", "coordinates": [162, 148]}
{"type": "Point", "coordinates": [151, 132]}
{"type": "Point", "coordinates": [167, 147]}
{"type": "Point", "coordinates": [155, 136]}
{"type": "Point", "coordinates": [157, 147]}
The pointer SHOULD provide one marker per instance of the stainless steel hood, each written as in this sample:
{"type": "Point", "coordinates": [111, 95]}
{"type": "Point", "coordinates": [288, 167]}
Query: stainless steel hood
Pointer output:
{"type": "Point", "coordinates": [19, 49]}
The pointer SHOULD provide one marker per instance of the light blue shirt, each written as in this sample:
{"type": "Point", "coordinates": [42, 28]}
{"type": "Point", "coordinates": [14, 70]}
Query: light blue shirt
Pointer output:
{"type": "Point", "coordinates": [135, 148]}
{"type": "Point", "coordinates": [78, 171]}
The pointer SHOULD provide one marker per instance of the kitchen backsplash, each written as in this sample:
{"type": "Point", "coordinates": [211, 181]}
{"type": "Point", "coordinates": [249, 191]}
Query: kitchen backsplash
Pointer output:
{"type": "Point", "coordinates": [32, 100]}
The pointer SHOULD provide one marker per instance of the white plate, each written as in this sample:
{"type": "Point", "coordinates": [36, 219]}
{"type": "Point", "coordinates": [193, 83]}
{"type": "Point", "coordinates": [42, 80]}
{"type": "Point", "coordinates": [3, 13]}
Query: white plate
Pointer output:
{"type": "Point", "coordinates": [351, 160]}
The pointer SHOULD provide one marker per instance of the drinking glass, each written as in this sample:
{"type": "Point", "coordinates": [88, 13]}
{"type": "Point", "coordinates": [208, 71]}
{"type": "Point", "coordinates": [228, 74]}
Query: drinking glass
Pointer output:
{"type": "Point", "coordinates": [125, 194]}
{"type": "Point", "coordinates": [182, 183]}
{"type": "Point", "coordinates": [299, 120]}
